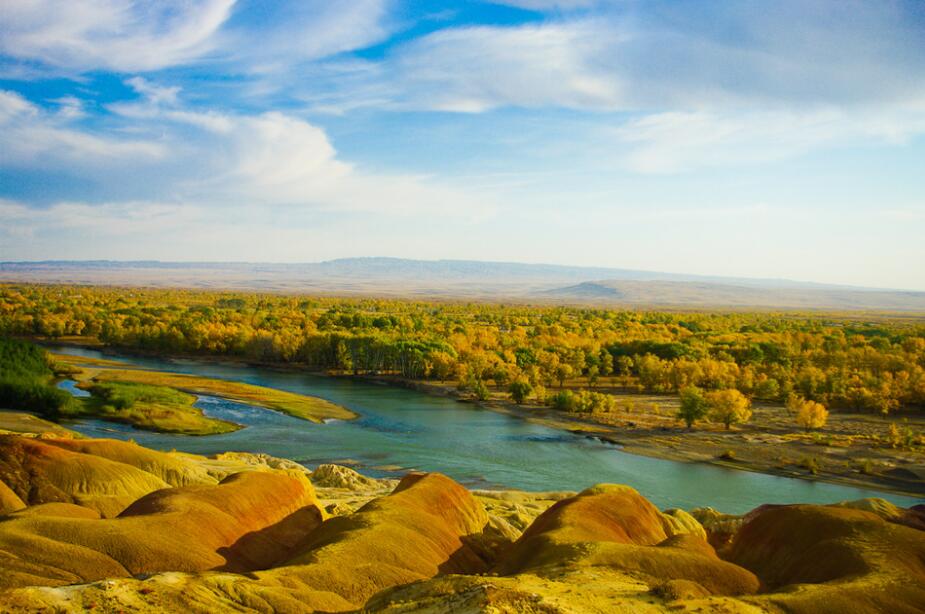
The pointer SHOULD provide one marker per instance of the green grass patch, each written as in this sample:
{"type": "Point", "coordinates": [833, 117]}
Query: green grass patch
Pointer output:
{"type": "Point", "coordinates": [296, 405]}
{"type": "Point", "coordinates": [153, 408]}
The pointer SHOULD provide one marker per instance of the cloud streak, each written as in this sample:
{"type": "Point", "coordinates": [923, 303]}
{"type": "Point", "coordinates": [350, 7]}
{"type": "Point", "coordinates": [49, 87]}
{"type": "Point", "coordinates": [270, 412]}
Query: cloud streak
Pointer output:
{"type": "Point", "coordinates": [681, 142]}
{"type": "Point", "coordinates": [121, 35]}
{"type": "Point", "coordinates": [35, 137]}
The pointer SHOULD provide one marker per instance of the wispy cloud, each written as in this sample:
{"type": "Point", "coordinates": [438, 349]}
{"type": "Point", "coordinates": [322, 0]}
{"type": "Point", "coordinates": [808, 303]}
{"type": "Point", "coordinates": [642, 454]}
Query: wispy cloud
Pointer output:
{"type": "Point", "coordinates": [214, 158]}
{"type": "Point", "coordinates": [130, 36]}
{"type": "Point", "coordinates": [630, 57]}
{"type": "Point", "coordinates": [677, 141]}
{"type": "Point", "coordinates": [33, 136]}
{"type": "Point", "coordinates": [112, 34]}
{"type": "Point", "coordinates": [481, 68]}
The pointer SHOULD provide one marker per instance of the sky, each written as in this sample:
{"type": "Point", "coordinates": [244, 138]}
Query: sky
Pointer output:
{"type": "Point", "coordinates": [721, 137]}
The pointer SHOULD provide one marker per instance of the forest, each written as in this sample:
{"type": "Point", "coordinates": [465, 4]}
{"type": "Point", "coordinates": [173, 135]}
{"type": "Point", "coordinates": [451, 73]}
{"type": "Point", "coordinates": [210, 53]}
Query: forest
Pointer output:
{"type": "Point", "coordinates": [846, 361]}
{"type": "Point", "coordinates": [26, 376]}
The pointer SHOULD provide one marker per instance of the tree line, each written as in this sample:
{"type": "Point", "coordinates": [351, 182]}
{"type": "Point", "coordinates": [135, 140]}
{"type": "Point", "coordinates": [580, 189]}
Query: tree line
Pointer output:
{"type": "Point", "coordinates": [836, 360]}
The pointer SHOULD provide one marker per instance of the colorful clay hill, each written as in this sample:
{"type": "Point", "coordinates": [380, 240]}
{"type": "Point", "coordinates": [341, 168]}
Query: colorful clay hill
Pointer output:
{"type": "Point", "coordinates": [99, 525]}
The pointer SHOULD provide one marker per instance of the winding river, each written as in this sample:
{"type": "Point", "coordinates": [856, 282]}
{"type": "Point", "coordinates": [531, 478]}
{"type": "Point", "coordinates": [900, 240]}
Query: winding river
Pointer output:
{"type": "Point", "coordinates": [402, 429]}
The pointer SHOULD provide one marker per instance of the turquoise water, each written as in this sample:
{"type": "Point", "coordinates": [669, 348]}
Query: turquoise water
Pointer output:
{"type": "Point", "coordinates": [402, 429]}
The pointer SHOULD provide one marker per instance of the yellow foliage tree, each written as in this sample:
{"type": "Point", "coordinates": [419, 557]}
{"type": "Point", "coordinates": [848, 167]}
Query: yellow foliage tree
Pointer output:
{"type": "Point", "coordinates": [812, 415]}
{"type": "Point", "coordinates": [729, 406]}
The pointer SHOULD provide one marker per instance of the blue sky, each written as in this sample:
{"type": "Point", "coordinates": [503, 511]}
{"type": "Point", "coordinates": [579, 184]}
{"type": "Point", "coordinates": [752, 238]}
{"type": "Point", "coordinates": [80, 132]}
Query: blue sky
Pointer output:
{"type": "Point", "coordinates": [746, 138]}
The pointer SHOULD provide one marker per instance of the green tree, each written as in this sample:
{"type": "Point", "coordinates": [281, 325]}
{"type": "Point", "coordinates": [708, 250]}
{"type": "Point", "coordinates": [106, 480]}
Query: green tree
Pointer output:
{"type": "Point", "coordinates": [693, 405]}
{"type": "Point", "coordinates": [564, 400]}
{"type": "Point", "coordinates": [520, 389]}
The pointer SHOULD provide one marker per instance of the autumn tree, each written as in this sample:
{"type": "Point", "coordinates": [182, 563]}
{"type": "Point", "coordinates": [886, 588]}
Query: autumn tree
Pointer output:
{"type": "Point", "coordinates": [811, 415]}
{"type": "Point", "coordinates": [593, 374]}
{"type": "Point", "coordinates": [728, 406]}
{"type": "Point", "coordinates": [442, 365]}
{"type": "Point", "coordinates": [606, 367]}
{"type": "Point", "coordinates": [563, 372]}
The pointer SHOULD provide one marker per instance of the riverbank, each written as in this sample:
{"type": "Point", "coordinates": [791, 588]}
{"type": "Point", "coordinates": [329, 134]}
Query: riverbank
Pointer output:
{"type": "Point", "coordinates": [850, 450]}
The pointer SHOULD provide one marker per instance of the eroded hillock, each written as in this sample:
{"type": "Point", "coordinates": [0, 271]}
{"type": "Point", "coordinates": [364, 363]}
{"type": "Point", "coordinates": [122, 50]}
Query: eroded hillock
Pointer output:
{"type": "Point", "coordinates": [40, 472]}
{"type": "Point", "coordinates": [428, 525]}
{"type": "Point", "coordinates": [422, 529]}
{"type": "Point", "coordinates": [171, 469]}
{"type": "Point", "coordinates": [258, 542]}
{"type": "Point", "coordinates": [842, 559]}
{"type": "Point", "coordinates": [615, 527]}
{"type": "Point", "coordinates": [9, 500]}
{"type": "Point", "coordinates": [249, 521]}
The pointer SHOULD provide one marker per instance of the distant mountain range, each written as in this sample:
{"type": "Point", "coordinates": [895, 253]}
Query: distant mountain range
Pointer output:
{"type": "Point", "coordinates": [473, 279]}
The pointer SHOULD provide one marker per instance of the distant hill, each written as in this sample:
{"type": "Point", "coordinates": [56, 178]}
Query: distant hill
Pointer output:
{"type": "Point", "coordinates": [472, 279]}
{"type": "Point", "coordinates": [709, 294]}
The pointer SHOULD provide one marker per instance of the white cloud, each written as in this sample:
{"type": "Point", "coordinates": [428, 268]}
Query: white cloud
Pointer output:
{"type": "Point", "coordinates": [546, 5]}
{"type": "Point", "coordinates": [277, 159]}
{"type": "Point", "coordinates": [633, 58]}
{"type": "Point", "coordinates": [70, 108]}
{"type": "Point", "coordinates": [217, 159]}
{"type": "Point", "coordinates": [122, 35]}
{"type": "Point", "coordinates": [480, 68]}
{"type": "Point", "coordinates": [154, 93]}
{"type": "Point", "coordinates": [293, 32]}
{"type": "Point", "coordinates": [163, 102]}
{"type": "Point", "coordinates": [34, 136]}
{"type": "Point", "coordinates": [138, 36]}
{"type": "Point", "coordinates": [676, 141]}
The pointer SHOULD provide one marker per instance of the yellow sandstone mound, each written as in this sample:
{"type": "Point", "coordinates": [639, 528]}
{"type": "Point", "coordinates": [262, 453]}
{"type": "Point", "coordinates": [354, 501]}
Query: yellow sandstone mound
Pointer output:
{"type": "Point", "coordinates": [614, 526]}
{"type": "Point", "coordinates": [258, 541]}
{"type": "Point", "coordinates": [337, 476]}
{"type": "Point", "coordinates": [424, 528]}
{"type": "Point", "coordinates": [171, 469]}
{"type": "Point", "coordinates": [41, 472]}
{"type": "Point", "coordinates": [913, 517]}
{"type": "Point", "coordinates": [249, 521]}
{"type": "Point", "coordinates": [832, 559]}
{"type": "Point", "coordinates": [9, 500]}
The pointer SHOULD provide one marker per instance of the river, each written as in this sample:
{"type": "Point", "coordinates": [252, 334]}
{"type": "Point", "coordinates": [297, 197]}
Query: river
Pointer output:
{"type": "Point", "coordinates": [401, 429]}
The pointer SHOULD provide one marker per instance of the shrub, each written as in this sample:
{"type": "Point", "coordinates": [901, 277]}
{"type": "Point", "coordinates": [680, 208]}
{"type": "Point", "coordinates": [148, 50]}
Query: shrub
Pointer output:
{"type": "Point", "coordinates": [810, 464]}
{"type": "Point", "coordinates": [564, 400]}
{"type": "Point", "coordinates": [480, 390]}
{"type": "Point", "coordinates": [520, 389]}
